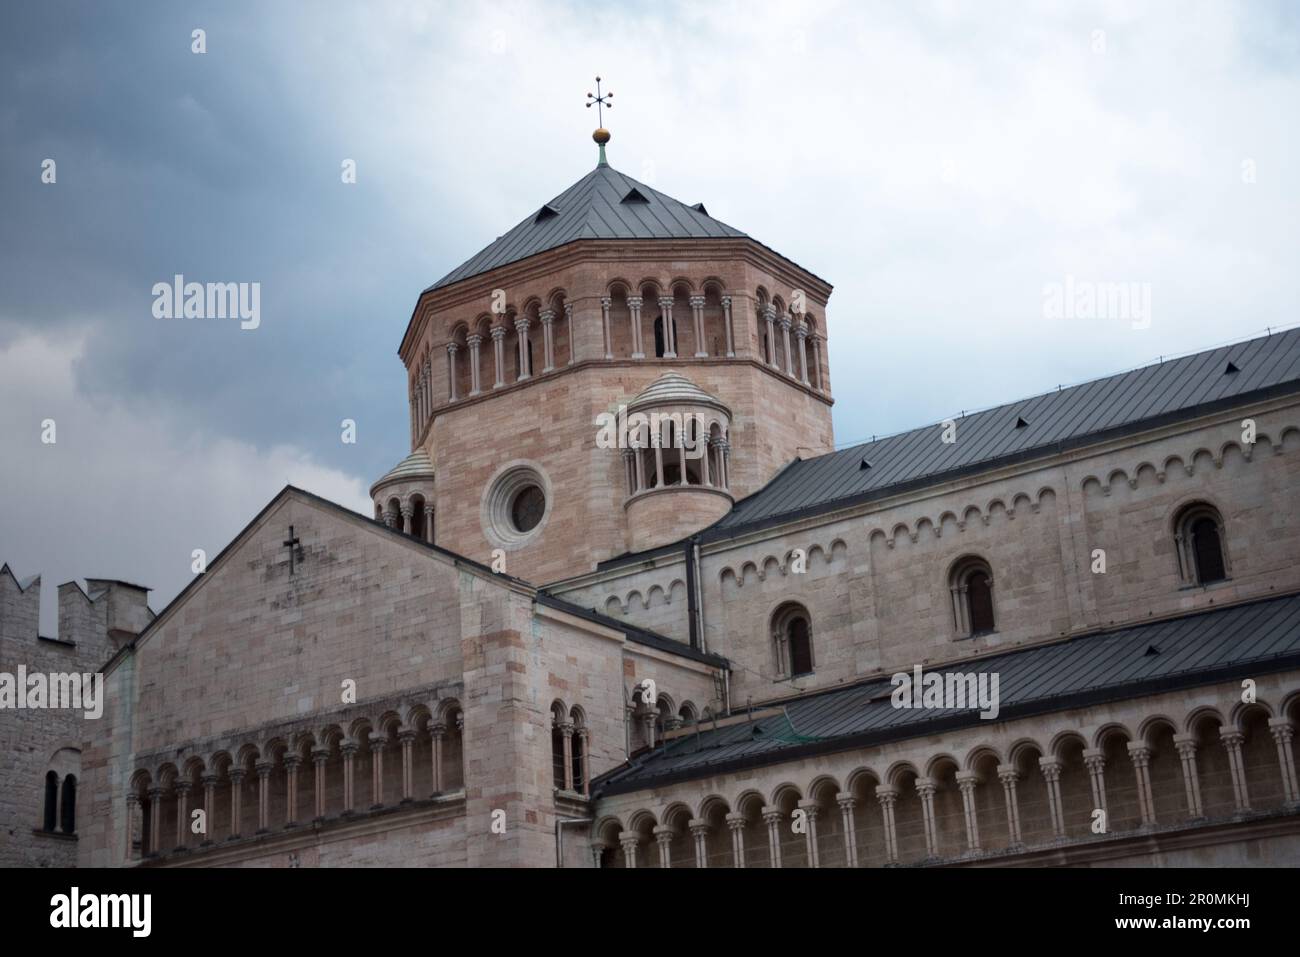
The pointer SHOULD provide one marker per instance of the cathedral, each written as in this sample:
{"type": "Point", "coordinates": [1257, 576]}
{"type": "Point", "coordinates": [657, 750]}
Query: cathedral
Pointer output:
{"type": "Point", "coordinates": [625, 605]}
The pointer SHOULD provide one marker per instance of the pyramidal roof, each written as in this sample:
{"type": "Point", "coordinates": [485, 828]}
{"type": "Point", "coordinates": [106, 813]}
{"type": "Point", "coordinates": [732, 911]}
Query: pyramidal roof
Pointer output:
{"type": "Point", "coordinates": [604, 204]}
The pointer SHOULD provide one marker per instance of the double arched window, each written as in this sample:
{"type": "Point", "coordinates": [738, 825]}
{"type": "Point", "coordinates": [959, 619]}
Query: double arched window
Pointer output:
{"type": "Point", "coordinates": [1199, 541]}
{"type": "Point", "coordinates": [569, 748]}
{"type": "Point", "coordinates": [792, 643]}
{"type": "Point", "coordinates": [60, 809]}
{"type": "Point", "coordinates": [971, 586]}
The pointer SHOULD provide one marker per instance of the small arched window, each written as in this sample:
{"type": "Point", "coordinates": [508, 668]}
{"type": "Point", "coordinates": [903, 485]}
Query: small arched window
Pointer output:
{"type": "Point", "coordinates": [971, 586]}
{"type": "Point", "coordinates": [579, 722]}
{"type": "Point", "coordinates": [1198, 535]}
{"type": "Point", "coordinates": [557, 745]}
{"type": "Point", "coordinates": [51, 801]}
{"type": "Point", "coordinates": [792, 646]}
{"type": "Point", "coordinates": [68, 819]}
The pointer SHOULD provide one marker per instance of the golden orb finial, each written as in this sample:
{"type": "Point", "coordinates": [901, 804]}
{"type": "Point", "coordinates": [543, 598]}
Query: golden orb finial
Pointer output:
{"type": "Point", "coordinates": [601, 136]}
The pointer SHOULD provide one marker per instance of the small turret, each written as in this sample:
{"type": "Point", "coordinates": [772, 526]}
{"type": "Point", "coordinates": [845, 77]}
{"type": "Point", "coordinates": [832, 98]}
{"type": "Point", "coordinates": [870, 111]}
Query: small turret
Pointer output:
{"type": "Point", "coordinates": [677, 467]}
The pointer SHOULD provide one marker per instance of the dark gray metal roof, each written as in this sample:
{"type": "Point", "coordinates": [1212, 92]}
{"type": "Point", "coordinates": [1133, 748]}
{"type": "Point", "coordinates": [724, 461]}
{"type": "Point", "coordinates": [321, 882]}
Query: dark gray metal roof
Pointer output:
{"type": "Point", "coordinates": [1078, 415]}
{"type": "Point", "coordinates": [595, 208]}
{"type": "Point", "coordinates": [1248, 639]}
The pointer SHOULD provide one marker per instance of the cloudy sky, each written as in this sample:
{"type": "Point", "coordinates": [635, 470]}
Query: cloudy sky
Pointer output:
{"type": "Point", "coordinates": [944, 164]}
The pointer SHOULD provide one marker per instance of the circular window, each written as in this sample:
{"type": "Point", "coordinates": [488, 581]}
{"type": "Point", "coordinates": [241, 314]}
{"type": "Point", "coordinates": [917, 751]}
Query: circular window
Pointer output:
{"type": "Point", "coordinates": [528, 507]}
{"type": "Point", "coordinates": [516, 505]}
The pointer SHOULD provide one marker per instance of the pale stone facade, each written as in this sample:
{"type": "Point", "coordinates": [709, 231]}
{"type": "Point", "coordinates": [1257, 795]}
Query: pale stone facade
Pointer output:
{"type": "Point", "coordinates": [397, 688]}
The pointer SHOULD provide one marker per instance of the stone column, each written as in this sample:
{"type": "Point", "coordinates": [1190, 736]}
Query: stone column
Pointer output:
{"type": "Point", "coordinates": [769, 317]}
{"type": "Point", "coordinates": [548, 339]}
{"type": "Point", "coordinates": [736, 824]}
{"type": "Point", "coordinates": [436, 733]}
{"type": "Point", "coordinates": [475, 387]}
{"type": "Point", "coordinates": [785, 343]}
{"type": "Point", "coordinates": [628, 841]}
{"type": "Point", "coordinates": [377, 743]}
{"type": "Point", "coordinates": [349, 777]}
{"type": "Point", "coordinates": [1009, 775]}
{"type": "Point", "coordinates": [724, 461]}
{"type": "Point", "coordinates": [568, 322]}
{"type": "Point", "coordinates": [408, 513]}
{"type": "Point", "coordinates": [811, 809]}
{"type": "Point", "coordinates": [604, 326]}
{"type": "Point", "coordinates": [499, 356]}
{"type": "Point", "coordinates": [773, 817]}
{"type": "Point", "coordinates": [320, 758]}
{"type": "Point", "coordinates": [155, 819]}
{"type": "Point", "coordinates": [664, 838]}
{"type": "Point", "coordinates": [263, 769]}
{"type": "Point", "coordinates": [816, 341]}
{"type": "Point", "coordinates": [699, 835]}
{"type": "Point", "coordinates": [697, 311]}
{"type": "Point", "coordinates": [649, 719]}
{"type": "Point", "coordinates": [1140, 755]}
{"type": "Point", "coordinates": [1051, 768]}
{"type": "Point", "coordinates": [1283, 733]}
{"type": "Point", "coordinates": [1186, 745]}
{"type": "Point", "coordinates": [726, 325]}
{"type": "Point", "coordinates": [801, 331]}
{"type": "Point", "coordinates": [406, 738]}
{"type": "Point", "coordinates": [209, 782]}
{"type": "Point", "coordinates": [133, 826]}
{"type": "Point", "coordinates": [1095, 762]}
{"type": "Point", "coordinates": [634, 309]}
{"type": "Point", "coordinates": [629, 470]}
{"type": "Point", "coordinates": [925, 789]}
{"type": "Point", "coordinates": [585, 737]}
{"type": "Point", "coordinates": [566, 735]}
{"type": "Point", "coordinates": [236, 800]}
{"type": "Point", "coordinates": [670, 335]}
{"type": "Point", "coordinates": [291, 765]}
{"type": "Point", "coordinates": [451, 371]}
{"type": "Point", "coordinates": [1232, 740]}
{"type": "Point", "coordinates": [847, 802]}
{"type": "Point", "coordinates": [182, 789]}
{"type": "Point", "coordinates": [966, 782]}
{"type": "Point", "coordinates": [888, 797]}
{"type": "Point", "coordinates": [525, 368]}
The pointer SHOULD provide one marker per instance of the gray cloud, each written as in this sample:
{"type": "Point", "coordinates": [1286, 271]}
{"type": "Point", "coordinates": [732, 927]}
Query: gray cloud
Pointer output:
{"type": "Point", "coordinates": [938, 162]}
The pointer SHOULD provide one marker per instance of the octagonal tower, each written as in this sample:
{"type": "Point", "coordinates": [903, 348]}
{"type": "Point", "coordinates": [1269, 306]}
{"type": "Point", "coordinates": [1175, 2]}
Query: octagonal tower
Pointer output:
{"type": "Point", "coordinates": [578, 311]}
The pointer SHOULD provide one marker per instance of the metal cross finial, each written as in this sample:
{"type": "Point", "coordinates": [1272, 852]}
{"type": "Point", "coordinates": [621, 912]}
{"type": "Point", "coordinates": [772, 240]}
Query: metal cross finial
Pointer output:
{"type": "Point", "coordinates": [601, 101]}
